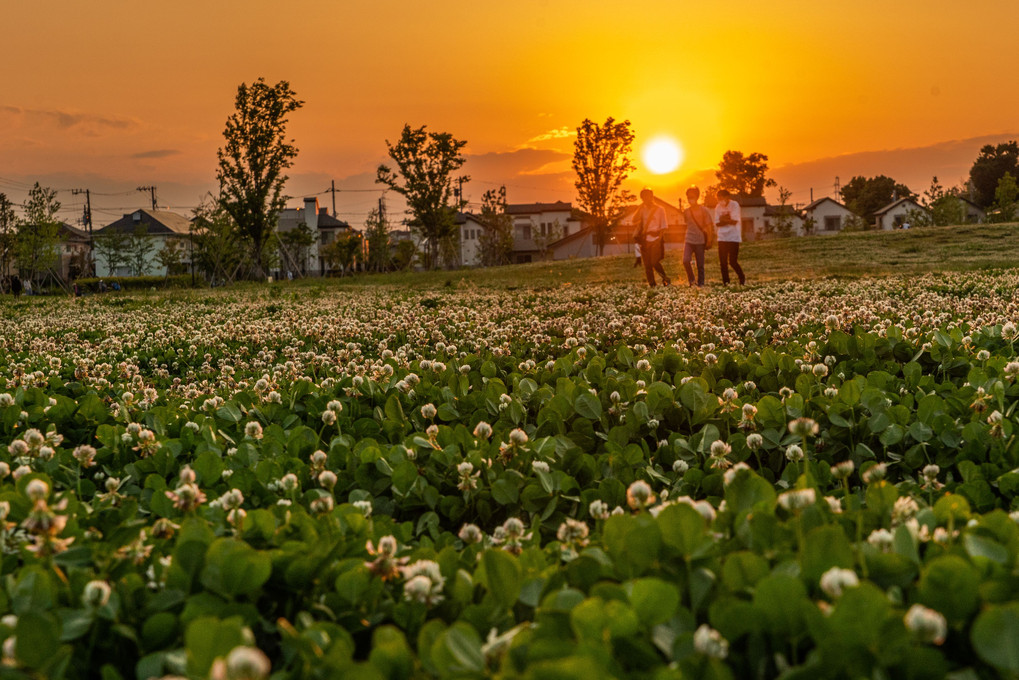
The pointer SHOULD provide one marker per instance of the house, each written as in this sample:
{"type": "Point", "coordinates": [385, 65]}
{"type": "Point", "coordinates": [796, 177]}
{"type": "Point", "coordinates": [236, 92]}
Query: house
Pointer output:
{"type": "Point", "coordinates": [160, 226]}
{"type": "Point", "coordinates": [752, 212]}
{"type": "Point", "coordinates": [773, 215]}
{"type": "Point", "coordinates": [829, 215]}
{"type": "Point", "coordinates": [974, 213]}
{"type": "Point", "coordinates": [301, 256]}
{"type": "Point", "coordinates": [583, 243]}
{"type": "Point", "coordinates": [896, 214]}
{"type": "Point", "coordinates": [72, 253]}
{"type": "Point", "coordinates": [471, 228]}
{"type": "Point", "coordinates": [537, 225]}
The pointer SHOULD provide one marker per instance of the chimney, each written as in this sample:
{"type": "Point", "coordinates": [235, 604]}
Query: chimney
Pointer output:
{"type": "Point", "coordinates": [311, 213]}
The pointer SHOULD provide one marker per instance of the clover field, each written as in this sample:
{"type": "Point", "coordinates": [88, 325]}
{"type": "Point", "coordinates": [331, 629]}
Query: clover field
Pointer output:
{"type": "Point", "coordinates": [814, 479]}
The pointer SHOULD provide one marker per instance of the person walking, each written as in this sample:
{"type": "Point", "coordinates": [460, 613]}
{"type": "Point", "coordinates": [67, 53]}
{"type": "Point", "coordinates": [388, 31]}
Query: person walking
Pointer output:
{"type": "Point", "coordinates": [700, 235]}
{"type": "Point", "coordinates": [729, 224]}
{"type": "Point", "coordinates": [651, 225]}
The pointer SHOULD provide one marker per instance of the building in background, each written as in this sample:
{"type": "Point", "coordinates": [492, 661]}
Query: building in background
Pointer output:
{"type": "Point", "coordinates": [303, 233]}
{"type": "Point", "coordinates": [160, 226]}
{"type": "Point", "coordinates": [829, 215]}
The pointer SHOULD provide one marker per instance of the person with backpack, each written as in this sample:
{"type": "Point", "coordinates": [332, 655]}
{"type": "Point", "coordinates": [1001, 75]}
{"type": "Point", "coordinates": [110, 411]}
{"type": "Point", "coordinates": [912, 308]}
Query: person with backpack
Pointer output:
{"type": "Point", "coordinates": [729, 224]}
{"type": "Point", "coordinates": [651, 224]}
{"type": "Point", "coordinates": [700, 235]}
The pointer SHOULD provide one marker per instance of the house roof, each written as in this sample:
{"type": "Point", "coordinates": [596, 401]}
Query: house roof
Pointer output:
{"type": "Point", "coordinates": [290, 218]}
{"type": "Point", "coordinates": [751, 201]}
{"type": "Point", "coordinates": [463, 218]}
{"type": "Point", "coordinates": [155, 221]}
{"type": "Point", "coordinates": [531, 208]}
{"type": "Point", "coordinates": [68, 233]}
{"type": "Point", "coordinates": [896, 204]}
{"type": "Point", "coordinates": [813, 206]}
{"type": "Point", "coordinates": [779, 210]}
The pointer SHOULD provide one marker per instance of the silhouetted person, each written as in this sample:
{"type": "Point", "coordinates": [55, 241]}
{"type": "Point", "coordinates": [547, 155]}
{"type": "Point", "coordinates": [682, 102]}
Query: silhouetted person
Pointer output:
{"type": "Point", "coordinates": [728, 221]}
{"type": "Point", "coordinates": [651, 225]}
{"type": "Point", "coordinates": [700, 232]}
{"type": "Point", "coordinates": [16, 286]}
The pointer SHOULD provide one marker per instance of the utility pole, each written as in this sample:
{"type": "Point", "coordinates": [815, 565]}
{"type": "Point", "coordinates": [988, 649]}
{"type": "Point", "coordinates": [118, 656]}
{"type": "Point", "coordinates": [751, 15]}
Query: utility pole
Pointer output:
{"type": "Point", "coordinates": [838, 190]}
{"type": "Point", "coordinates": [333, 190]}
{"type": "Point", "coordinates": [460, 192]}
{"type": "Point", "coordinates": [151, 190]}
{"type": "Point", "coordinates": [87, 221]}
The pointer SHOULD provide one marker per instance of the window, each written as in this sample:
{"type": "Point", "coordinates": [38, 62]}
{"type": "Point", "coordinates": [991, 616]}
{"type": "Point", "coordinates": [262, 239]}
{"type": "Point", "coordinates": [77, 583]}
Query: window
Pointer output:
{"type": "Point", "coordinates": [832, 222]}
{"type": "Point", "coordinates": [524, 232]}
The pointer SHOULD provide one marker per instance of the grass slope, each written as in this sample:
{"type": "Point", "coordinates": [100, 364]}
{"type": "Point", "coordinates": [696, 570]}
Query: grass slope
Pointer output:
{"type": "Point", "coordinates": [841, 255]}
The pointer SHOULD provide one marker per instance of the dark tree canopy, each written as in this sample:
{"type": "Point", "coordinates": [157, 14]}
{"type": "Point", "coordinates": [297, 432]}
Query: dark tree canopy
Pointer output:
{"type": "Point", "coordinates": [989, 167]}
{"type": "Point", "coordinates": [425, 164]}
{"type": "Point", "coordinates": [601, 159]}
{"type": "Point", "coordinates": [38, 232]}
{"type": "Point", "coordinates": [866, 195]}
{"type": "Point", "coordinates": [496, 241]}
{"type": "Point", "coordinates": [743, 175]}
{"type": "Point", "coordinates": [253, 161]}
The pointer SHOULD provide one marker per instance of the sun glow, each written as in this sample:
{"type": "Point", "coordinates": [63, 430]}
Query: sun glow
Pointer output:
{"type": "Point", "coordinates": [662, 155]}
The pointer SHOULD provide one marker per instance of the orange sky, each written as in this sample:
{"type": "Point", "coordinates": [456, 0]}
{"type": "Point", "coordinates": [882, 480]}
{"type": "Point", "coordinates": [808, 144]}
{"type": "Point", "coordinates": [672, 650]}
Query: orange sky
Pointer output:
{"type": "Point", "coordinates": [115, 94]}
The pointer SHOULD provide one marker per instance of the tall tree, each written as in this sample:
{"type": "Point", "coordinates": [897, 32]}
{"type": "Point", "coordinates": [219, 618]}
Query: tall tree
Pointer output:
{"type": "Point", "coordinates": [343, 253]}
{"type": "Point", "coordinates": [215, 247]}
{"type": "Point", "coordinates": [1006, 196]}
{"type": "Point", "coordinates": [253, 161]}
{"type": "Point", "coordinates": [601, 159]}
{"type": "Point", "coordinates": [425, 165]}
{"type": "Point", "coordinates": [8, 236]}
{"type": "Point", "coordinates": [38, 233]}
{"type": "Point", "coordinates": [111, 247]}
{"type": "Point", "coordinates": [989, 167]}
{"type": "Point", "coordinates": [376, 234]}
{"type": "Point", "coordinates": [496, 240]}
{"type": "Point", "coordinates": [783, 224]}
{"type": "Point", "coordinates": [743, 175]}
{"type": "Point", "coordinates": [944, 208]}
{"type": "Point", "coordinates": [866, 195]}
{"type": "Point", "coordinates": [139, 247]}
{"type": "Point", "coordinates": [171, 256]}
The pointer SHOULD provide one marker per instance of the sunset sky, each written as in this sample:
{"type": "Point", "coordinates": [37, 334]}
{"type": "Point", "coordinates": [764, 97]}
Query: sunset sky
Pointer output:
{"type": "Point", "coordinates": [111, 95]}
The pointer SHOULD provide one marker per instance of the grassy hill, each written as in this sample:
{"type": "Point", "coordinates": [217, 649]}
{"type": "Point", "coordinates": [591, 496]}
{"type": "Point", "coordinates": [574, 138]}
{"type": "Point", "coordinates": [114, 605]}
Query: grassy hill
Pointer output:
{"type": "Point", "coordinates": [841, 255]}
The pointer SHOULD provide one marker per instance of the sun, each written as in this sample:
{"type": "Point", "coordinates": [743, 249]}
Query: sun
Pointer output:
{"type": "Point", "coordinates": [662, 155]}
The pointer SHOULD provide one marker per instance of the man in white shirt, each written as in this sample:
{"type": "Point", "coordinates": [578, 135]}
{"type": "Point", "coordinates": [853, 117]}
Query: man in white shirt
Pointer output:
{"type": "Point", "coordinates": [729, 224]}
{"type": "Point", "coordinates": [651, 224]}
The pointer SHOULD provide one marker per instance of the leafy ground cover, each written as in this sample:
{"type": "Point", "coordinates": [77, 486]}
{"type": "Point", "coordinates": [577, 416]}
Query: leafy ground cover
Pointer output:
{"type": "Point", "coordinates": [798, 479]}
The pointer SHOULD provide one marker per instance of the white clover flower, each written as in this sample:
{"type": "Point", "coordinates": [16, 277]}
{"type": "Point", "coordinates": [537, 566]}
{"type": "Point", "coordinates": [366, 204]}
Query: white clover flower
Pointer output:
{"type": "Point", "coordinates": [37, 490]}
{"type": "Point", "coordinates": [482, 430]}
{"type": "Point", "coordinates": [364, 507]}
{"type": "Point", "coordinates": [643, 365]}
{"type": "Point", "coordinates": [96, 594]}
{"type": "Point", "coordinates": [709, 642]}
{"type": "Point", "coordinates": [540, 466]}
{"type": "Point", "coordinates": [247, 663]}
{"type": "Point", "coordinates": [731, 473]}
{"type": "Point", "coordinates": [470, 533]}
{"type": "Point", "coordinates": [875, 473]}
{"type": "Point", "coordinates": [639, 495]}
{"type": "Point", "coordinates": [803, 427]}
{"type": "Point", "coordinates": [327, 479]}
{"type": "Point", "coordinates": [328, 419]}
{"type": "Point", "coordinates": [754, 441]}
{"type": "Point", "coordinates": [843, 470]}
{"type": "Point", "coordinates": [680, 466]}
{"type": "Point", "coordinates": [797, 499]}
{"type": "Point", "coordinates": [926, 625]}
{"type": "Point", "coordinates": [600, 510]}
{"type": "Point", "coordinates": [836, 580]}
{"type": "Point", "coordinates": [253, 430]}
{"type": "Point", "coordinates": [793, 453]}
{"type": "Point", "coordinates": [517, 437]}
{"type": "Point", "coordinates": [428, 411]}
{"type": "Point", "coordinates": [882, 539]}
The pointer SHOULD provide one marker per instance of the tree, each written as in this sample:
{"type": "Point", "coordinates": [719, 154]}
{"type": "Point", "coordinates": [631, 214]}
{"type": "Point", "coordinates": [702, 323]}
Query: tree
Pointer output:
{"type": "Point", "coordinates": [376, 234]}
{"type": "Point", "coordinates": [252, 164]}
{"type": "Point", "coordinates": [112, 247]}
{"type": "Point", "coordinates": [496, 240]}
{"type": "Point", "coordinates": [294, 245]}
{"type": "Point", "coordinates": [215, 243]}
{"type": "Point", "coordinates": [139, 247]}
{"type": "Point", "coordinates": [944, 208]}
{"type": "Point", "coordinates": [171, 256]}
{"type": "Point", "coordinates": [809, 224]}
{"type": "Point", "coordinates": [8, 232]}
{"type": "Point", "coordinates": [38, 233]}
{"type": "Point", "coordinates": [404, 257]}
{"type": "Point", "coordinates": [601, 160]}
{"type": "Point", "coordinates": [1006, 194]}
{"type": "Point", "coordinates": [425, 163]}
{"type": "Point", "coordinates": [542, 241]}
{"type": "Point", "coordinates": [743, 175]}
{"type": "Point", "coordinates": [988, 169]}
{"type": "Point", "coordinates": [783, 225]}
{"type": "Point", "coordinates": [342, 253]}
{"type": "Point", "coordinates": [866, 195]}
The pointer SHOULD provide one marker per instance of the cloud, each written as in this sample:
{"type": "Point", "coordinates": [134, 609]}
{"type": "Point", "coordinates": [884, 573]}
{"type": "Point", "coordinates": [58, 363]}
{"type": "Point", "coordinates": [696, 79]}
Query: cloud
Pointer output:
{"type": "Point", "coordinates": [66, 120]}
{"type": "Point", "coordinates": [557, 133]}
{"type": "Point", "coordinates": [156, 153]}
